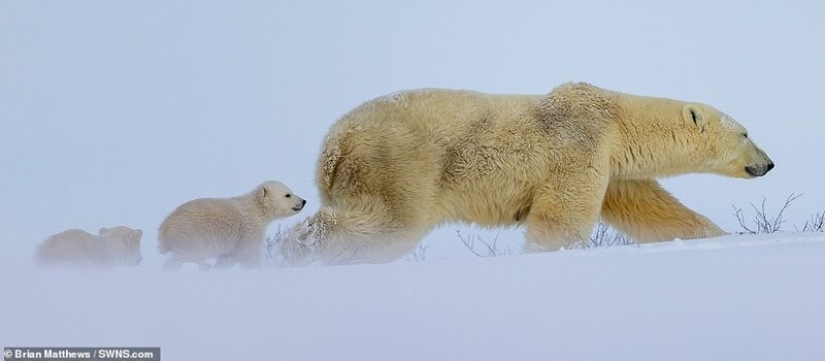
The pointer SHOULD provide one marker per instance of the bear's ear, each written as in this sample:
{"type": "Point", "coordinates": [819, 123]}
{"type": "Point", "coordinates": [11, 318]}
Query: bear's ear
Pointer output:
{"type": "Point", "coordinates": [102, 230]}
{"type": "Point", "coordinates": [264, 192]}
{"type": "Point", "coordinates": [693, 115]}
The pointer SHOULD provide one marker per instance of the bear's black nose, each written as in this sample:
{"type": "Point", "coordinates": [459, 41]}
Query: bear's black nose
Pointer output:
{"type": "Point", "coordinates": [303, 202]}
{"type": "Point", "coordinates": [758, 170]}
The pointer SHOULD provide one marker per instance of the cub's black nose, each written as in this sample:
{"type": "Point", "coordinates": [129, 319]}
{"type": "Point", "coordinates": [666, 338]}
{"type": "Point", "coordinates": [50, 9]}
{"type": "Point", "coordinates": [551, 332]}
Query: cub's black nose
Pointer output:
{"type": "Point", "coordinates": [770, 166]}
{"type": "Point", "coordinates": [303, 202]}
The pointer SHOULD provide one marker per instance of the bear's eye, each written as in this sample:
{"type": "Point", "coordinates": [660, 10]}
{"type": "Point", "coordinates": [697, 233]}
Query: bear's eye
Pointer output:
{"type": "Point", "coordinates": [288, 195]}
{"type": "Point", "coordinates": [745, 135]}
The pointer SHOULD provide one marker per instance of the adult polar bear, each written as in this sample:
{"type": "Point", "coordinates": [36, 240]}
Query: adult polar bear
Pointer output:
{"type": "Point", "coordinates": [396, 167]}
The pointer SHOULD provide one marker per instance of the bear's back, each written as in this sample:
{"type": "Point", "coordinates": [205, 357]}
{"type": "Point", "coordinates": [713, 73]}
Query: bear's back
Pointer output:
{"type": "Point", "coordinates": [439, 111]}
{"type": "Point", "coordinates": [74, 246]}
{"type": "Point", "coordinates": [204, 218]}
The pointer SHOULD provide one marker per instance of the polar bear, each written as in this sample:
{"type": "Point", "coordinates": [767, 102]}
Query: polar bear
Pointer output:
{"type": "Point", "coordinates": [397, 166]}
{"type": "Point", "coordinates": [230, 230]}
{"type": "Point", "coordinates": [116, 246]}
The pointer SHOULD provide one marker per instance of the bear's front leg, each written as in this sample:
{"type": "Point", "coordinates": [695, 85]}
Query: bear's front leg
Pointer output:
{"type": "Point", "coordinates": [647, 213]}
{"type": "Point", "coordinates": [564, 211]}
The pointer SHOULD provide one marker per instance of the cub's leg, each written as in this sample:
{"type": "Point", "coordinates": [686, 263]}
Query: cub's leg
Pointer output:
{"type": "Point", "coordinates": [247, 253]}
{"type": "Point", "coordinates": [174, 263]}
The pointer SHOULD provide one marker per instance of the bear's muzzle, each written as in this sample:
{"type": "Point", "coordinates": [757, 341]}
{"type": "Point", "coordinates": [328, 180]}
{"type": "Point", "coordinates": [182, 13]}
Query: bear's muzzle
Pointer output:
{"type": "Point", "coordinates": [299, 207]}
{"type": "Point", "coordinates": [758, 170]}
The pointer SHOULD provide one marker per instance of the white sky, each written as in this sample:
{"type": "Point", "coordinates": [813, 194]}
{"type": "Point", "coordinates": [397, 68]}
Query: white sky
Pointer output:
{"type": "Point", "coordinates": [115, 112]}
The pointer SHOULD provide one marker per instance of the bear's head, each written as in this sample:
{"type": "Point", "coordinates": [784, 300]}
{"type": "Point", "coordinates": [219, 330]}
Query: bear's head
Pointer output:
{"type": "Point", "coordinates": [122, 244]}
{"type": "Point", "coordinates": [730, 149]}
{"type": "Point", "coordinates": [278, 200]}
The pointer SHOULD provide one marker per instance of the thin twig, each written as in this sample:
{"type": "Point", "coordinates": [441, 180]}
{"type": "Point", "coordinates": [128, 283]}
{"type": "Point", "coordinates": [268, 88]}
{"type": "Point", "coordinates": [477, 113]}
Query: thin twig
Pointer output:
{"type": "Point", "coordinates": [762, 221]}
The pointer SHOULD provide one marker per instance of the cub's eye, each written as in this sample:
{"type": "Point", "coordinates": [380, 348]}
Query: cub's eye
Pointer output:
{"type": "Point", "coordinates": [288, 195]}
{"type": "Point", "coordinates": [745, 135]}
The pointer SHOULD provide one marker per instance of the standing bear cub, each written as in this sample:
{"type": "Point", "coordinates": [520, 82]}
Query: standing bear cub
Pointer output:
{"type": "Point", "coordinates": [229, 230]}
{"type": "Point", "coordinates": [112, 247]}
{"type": "Point", "coordinates": [397, 166]}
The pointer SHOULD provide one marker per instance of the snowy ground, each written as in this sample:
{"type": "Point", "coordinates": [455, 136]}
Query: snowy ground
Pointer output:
{"type": "Point", "coordinates": [741, 297]}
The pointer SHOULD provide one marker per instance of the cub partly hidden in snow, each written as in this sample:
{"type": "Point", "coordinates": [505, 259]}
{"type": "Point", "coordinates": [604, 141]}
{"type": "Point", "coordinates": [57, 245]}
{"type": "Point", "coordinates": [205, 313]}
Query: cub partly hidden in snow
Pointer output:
{"type": "Point", "coordinates": [74, 248]}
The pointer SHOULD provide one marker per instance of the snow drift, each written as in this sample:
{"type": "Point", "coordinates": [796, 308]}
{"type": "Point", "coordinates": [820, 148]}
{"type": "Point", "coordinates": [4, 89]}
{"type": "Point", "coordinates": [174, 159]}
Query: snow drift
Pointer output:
{"type": "Point", "coordinates": [731, 298]}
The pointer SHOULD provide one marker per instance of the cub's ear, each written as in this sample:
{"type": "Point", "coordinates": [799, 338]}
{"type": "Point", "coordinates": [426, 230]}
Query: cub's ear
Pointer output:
{"type": "Point", "coordinates": [137, 233]}
{"type": "Point", "coordinates": [264, 192]}
{"type": "Point", "coordinates": [102, 230]}
{"type": "Point", "coordinates": [693, 115]}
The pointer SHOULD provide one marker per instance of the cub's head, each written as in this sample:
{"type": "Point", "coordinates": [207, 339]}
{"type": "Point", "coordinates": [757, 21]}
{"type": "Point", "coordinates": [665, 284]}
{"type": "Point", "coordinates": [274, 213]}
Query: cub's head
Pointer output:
{"type": "Point", "coordinates": [725, 145]}
{"type": "Point", "coordinates": [278, 200]}
{"type": "Point", "coordinates": [122, 244]}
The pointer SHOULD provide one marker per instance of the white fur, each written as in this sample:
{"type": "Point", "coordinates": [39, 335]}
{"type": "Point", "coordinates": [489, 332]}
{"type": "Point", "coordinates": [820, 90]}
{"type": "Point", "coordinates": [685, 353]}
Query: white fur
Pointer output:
{"type": "Point", "coordinates": [228, 230]}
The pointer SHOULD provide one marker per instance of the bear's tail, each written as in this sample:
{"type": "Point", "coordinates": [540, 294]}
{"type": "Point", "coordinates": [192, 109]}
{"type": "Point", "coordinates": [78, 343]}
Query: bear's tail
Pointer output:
{"type": "Point", "coordinates": [328, 164]}
{"type": "Point", "coordinates": [163, 247]}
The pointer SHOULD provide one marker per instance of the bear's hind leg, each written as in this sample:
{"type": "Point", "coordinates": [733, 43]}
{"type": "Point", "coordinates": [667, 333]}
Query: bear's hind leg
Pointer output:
{"type": "Point", "coordinates": [366, 230]}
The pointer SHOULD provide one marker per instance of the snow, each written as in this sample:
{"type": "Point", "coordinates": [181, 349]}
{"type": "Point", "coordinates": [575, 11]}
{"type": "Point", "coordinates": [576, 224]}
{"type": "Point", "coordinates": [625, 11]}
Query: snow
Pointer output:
{"type": "Point", "coordinates": [739, 297]}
